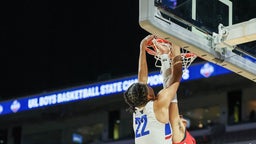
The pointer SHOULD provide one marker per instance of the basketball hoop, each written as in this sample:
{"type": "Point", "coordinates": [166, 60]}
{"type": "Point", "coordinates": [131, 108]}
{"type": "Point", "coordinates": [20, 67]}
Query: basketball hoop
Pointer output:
{"type": "Point", "coordinates": [187, 57]}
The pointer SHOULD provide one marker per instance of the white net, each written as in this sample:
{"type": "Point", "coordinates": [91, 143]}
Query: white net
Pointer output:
{"type": "Point", "coordinates": [187, 57]}
{"type": "Point", "coordinates": [187, 60]}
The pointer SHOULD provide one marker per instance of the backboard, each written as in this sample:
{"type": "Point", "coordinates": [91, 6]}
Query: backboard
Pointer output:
{"type": "Point", "coordinates": [212, 29]}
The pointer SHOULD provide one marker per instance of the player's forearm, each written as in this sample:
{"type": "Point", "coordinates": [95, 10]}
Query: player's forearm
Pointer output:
{"type": "Point", "coordinates": [143, 67]}
{"type": "Point", "coordinates": [166, 74]}
{"type": "Point", "coordinates": [173, 74]}
{"type": "Point", "coordinates": [177, 68]}
{"type": "Point", "coordinates": [165, 69]}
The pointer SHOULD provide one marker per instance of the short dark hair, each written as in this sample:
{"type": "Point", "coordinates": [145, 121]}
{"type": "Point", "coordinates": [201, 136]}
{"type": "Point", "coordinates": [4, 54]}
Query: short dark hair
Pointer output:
{"type": "Point", "coordinates": [136, 95]}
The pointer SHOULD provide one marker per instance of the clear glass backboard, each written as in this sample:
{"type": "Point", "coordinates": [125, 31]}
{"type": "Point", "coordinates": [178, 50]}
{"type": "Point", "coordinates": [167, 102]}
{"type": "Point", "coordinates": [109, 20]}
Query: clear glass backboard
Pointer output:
{"type": "Point", "coordinates": [219, 31]}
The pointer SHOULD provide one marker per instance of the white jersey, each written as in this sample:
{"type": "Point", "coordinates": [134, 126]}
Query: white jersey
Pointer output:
{"type": "Point", "coordinates": [148, 130]}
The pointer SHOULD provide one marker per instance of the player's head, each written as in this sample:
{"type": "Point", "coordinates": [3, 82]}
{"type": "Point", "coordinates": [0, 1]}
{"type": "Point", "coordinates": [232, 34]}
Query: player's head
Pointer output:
{"type": "Point", "coordinates": [137, 95]}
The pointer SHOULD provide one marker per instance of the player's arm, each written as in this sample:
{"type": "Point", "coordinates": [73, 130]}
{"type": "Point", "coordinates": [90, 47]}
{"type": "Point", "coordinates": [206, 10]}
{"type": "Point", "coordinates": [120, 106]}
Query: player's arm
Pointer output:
{"type": "Point", "coordinates": [174, 75]}
{"type": "Point", "coordinates": [143, 67]}
{"type": "Point", "coordinates": [178, 127]}
{"type": "Point", "coordinates": [178, 123]}
{"type": "Point", "coordinates": [172, 84]}
{"type": "Point", "coordinates": [169, 79]}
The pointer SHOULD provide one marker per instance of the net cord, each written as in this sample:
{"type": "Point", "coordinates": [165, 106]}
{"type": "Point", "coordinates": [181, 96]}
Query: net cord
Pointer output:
{"type": "Point", "coordinates": [187, 58]}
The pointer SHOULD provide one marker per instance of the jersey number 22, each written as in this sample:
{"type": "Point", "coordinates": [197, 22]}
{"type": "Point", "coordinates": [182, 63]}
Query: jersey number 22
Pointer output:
{"type": "Point", "coordinates": [141, 123]}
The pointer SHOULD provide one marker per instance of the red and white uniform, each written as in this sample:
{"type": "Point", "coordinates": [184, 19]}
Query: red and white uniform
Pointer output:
{"type": "Point", "coordinates": [148, 130]}
{"type": "Point", "coordinates": [189, 139]}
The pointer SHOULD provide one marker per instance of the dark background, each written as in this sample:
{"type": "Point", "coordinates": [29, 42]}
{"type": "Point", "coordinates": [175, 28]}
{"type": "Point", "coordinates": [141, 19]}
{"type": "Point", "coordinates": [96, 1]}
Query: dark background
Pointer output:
{"type": "Point", "coordinates": [51, 45]}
